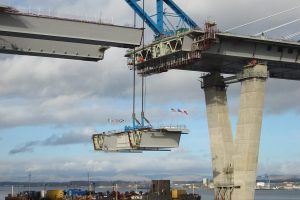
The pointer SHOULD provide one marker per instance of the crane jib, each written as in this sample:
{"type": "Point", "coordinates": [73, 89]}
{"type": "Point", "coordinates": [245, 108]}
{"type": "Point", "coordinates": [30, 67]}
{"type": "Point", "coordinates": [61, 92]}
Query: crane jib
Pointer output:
{"type": "Point", "coordinates": [160, 26]}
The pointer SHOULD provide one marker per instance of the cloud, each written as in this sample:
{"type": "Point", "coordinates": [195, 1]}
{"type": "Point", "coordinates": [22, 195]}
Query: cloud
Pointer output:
{"type": "Point", "coordinates": [104, 166]}
{"type": "Point", "coordinates": [28, 77]}
{"type": "Point", "coordinates": [37, 91]}
{"type": "Point", "coordinates": [175, 165]}
{"type": "Point", "coordinates": [282, 96]}
{"type": "Point", "coordinates": [79, 115]}
{"type": "Point", "coordinates": [226, 17]}
{"type": "Point", "coordinates": [69, 138]}
{"type": "Point", "coordinates": [41, 91]}
{"type": "Point", "coordinates": [280, 168]}
{"type": "Point", "coordinates": [25, 148]}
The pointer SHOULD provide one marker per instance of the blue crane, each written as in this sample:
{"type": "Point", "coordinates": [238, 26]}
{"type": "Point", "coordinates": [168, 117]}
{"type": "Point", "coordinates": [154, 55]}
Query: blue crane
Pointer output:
{"type": "Point", "coordinates": [160, 27]}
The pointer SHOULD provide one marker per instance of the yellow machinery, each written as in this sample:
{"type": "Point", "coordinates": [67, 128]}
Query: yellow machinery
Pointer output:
{"type": "Point", "coordinates": [177, 193]}
{"type": "Point", "coordinates": [55, 194]}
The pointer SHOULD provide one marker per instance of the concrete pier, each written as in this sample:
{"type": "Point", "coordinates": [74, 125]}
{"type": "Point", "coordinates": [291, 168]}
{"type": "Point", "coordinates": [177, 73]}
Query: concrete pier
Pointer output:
{"type": "Point", "coordinates": [246, 144]}
{"type": "Point", "coordinates": [220, 133]}
{"type": "Point", "coordinates": [234, 162]}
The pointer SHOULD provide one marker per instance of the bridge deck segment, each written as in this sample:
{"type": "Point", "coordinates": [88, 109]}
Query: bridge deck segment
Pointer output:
{"type": "Point", "coordinates": [31, 34]}
{"type": "Point", "coordinates": [227, 54]}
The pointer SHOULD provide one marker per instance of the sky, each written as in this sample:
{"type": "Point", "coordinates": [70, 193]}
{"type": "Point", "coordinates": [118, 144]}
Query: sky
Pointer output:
{"type": "Point", "coordinates": [49, 108]}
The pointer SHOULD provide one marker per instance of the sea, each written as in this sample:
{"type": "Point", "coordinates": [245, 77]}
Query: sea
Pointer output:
{"type": "Point", "coordinates": [205, 194]}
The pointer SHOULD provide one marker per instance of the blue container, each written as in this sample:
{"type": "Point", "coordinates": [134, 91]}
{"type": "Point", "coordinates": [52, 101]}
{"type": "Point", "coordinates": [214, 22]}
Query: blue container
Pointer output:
{"type": "Point", "coordinates": [76, 192]}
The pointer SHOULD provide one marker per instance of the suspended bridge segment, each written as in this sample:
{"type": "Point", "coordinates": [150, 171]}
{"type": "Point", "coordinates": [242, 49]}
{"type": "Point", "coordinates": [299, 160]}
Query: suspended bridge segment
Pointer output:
{"type": "Point", "coordinates": [139, 140]}
{"type": "Point", "coordinates": [41, 35]}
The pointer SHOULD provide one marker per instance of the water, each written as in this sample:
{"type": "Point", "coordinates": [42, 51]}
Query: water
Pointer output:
{"type": "Point", "coordinates": [206, 194]}
{"type": "Point", "coordinates": [261, 194]}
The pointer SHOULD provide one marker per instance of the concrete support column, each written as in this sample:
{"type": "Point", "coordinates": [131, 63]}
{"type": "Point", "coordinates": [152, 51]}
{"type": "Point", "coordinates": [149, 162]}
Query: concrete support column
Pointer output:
{"type": "Point", "coordinates": [219, 131]}
{"type": "Point", "coordinates": [246, 145]}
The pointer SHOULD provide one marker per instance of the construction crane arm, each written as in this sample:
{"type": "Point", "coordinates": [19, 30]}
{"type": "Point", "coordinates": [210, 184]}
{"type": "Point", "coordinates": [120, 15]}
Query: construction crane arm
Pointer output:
{"type": "Point", "coordinates": [133, 4]}
{"type": "Point", "coordinates": [158, 28]}
{"type": "Point", "coordinates": [181, 13]}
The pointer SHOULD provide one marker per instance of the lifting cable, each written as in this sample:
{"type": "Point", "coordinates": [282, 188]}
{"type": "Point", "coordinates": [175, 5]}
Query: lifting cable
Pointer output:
{"type": "Point", "coordinates": [134, 79]}
{"type": "Point", "coordinates": [143, 46]}
{"type": "Point", "coordinates": [263, 18]}
{"type": "Point", "coordinates": [134, 74]}
{"type": "Point", "coordinates": [134, 120]}
{"type": "Point", "coordinates": [143, 76]}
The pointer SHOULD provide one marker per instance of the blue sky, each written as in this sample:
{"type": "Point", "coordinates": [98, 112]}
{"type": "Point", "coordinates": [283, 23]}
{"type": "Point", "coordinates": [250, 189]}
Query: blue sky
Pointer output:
{"type": "Point", "coordinates": [50, 107]}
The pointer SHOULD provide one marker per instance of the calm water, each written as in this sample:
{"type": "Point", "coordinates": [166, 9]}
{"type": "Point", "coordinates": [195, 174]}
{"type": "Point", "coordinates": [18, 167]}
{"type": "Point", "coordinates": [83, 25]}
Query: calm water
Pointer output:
{"type": "Point", "coordinates": [206, 194]}
{"type": "Point", "coordinates": [262, 194]}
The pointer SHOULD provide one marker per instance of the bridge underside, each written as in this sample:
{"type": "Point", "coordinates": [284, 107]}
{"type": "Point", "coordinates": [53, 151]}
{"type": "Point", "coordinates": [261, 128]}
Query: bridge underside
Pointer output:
{"type": "Point", "coordinates": [48, 48]}
{"type": "Point", "coordinates": [48, 36]}
{"type": "Point", "coordinates": [233, 65]}
{"type": "Point", "coordinates": [225, 54]}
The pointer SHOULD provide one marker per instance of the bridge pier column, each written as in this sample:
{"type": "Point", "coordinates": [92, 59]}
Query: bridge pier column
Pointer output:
{"type": "Point", "coordinates": [246, 144]}
{"type": "Point", "coordinates": [234, 162]}
{"type": "Point", "coordinates": [220, 134]}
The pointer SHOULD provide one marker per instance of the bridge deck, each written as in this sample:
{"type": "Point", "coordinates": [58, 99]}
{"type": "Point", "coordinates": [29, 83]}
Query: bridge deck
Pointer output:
{"type": "Point", "coordinates": [139, 140]}
{"type": "Point", "coordinates": [228, 54]}
{"type": "Point", "coordinates": [232, 52]}
{"type": "Point", "coordinates": [32, 34]}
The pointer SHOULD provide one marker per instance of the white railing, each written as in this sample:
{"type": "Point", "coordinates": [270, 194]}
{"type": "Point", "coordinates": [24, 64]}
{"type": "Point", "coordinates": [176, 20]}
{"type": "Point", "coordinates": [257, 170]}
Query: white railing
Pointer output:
{"type": "Point", "coordinates": [97, 18]}
{"type": "Point", "coordinates": [172, 126]}
{"type": "Point", "coordinates": [55, 14]}
{"type": "Point", "coordinates": [111, 132]}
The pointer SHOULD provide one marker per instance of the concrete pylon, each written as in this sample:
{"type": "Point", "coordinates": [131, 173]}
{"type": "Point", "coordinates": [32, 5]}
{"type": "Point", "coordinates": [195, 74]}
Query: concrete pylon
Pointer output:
{"type": "Point", "coordinates": [220, 134]}
{"type": "Point", "coordinates": [246, 144]}
{"type": "Point", "coordinates": [235, 162]}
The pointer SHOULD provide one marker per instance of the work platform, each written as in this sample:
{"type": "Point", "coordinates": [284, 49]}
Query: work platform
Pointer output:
{"type": "Point", "coordinates": [48, 36]}
{"type": "Point", "coordinates": [226, 53]}
{"type": "Point", "coordinates": [138, 140]}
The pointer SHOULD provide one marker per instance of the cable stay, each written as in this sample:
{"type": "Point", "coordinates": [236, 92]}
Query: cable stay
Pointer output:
{"type": "Point", "coordinates": [292, 35]}
{"type": "Point", "coordinates": [277, 27]}
{"type": "Point", "coordinates": [263, 18]}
